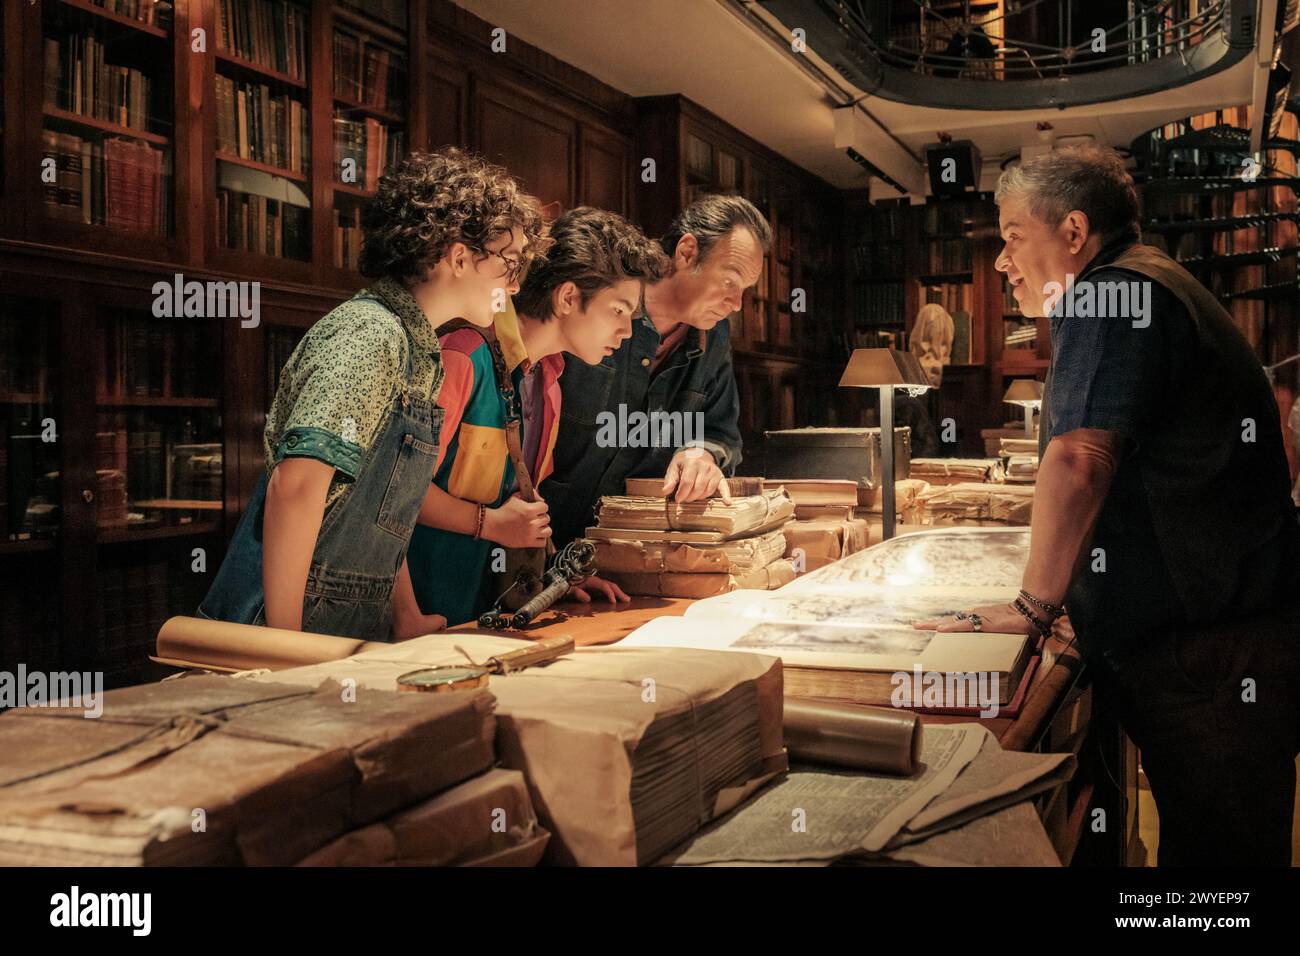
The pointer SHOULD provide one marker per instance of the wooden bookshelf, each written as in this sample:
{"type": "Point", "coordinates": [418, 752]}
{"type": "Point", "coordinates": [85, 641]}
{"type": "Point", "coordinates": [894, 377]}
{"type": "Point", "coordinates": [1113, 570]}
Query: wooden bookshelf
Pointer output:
{"type": "Point", "coordinates": [120, 19]}
{"type": "Point", "coordinates": [355, 191]}
{"type": "Point", "coordinates": [1240, 238]}
{"type": "Point", "coordinates": [354, 18]}
{"type": "Point", "coordinates": [263, 167]}
{"type": "Point", "coordinates": [103, 126]}
{"type": "Point", "coordinates": [263, 72]}
{"type": "Point", "coordinates": [130, 401]}
{"type": "Point", "coordinates": [570, 138]}
{"type": "Point", "coordinates": [188, 530]}
{"type": "Point", "coordinates": [364, 109]}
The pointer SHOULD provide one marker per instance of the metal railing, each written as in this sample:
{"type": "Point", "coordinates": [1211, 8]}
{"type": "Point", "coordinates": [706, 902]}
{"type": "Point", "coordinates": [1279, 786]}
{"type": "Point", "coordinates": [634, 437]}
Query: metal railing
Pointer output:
{"type": "Point", "coordinates": [988, 49]}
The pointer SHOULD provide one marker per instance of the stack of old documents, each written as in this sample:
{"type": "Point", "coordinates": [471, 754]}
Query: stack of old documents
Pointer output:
{"type": "Point", "coordinates": [654, 545]}
{"type": "Point", "coordinates": [486, 821]}
{"type": "Point", "coordinates": [976, 505]}
{"type": "Point", "coordinates": [212, 770]}
{"type": "Point", "coordinates": [950, 471]}
{"type": "Point", "coordinates": [1021, 456]}
{"type": "Point", "coordinates": [626, 752]}
{"type": "Point", "coordinates": [993, 437]}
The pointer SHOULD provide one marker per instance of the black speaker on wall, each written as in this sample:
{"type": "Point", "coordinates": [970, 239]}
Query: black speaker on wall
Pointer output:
{"type": "Point", "coordinates": [954, 168]}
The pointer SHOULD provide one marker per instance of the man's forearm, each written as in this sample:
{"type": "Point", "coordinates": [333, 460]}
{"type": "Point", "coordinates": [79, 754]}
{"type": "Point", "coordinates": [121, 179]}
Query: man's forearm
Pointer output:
{"type": "Point", "coordinates": [1074, 478]}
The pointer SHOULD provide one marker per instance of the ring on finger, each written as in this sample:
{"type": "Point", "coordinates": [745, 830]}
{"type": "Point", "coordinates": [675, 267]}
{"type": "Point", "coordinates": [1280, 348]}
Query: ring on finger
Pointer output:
{"type": "Point", "coordinates": [976, 622]}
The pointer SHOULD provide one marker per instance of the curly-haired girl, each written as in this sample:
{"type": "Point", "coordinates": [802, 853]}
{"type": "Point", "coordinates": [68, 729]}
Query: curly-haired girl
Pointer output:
{"type": "Point", "coordinates": [352, 437]}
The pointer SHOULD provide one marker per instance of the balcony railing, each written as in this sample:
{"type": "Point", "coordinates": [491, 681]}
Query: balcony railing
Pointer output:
{"type": "Point", "coordinates": [1023, 53]}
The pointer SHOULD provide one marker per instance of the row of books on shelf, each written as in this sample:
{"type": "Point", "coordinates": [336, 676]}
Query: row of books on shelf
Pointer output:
{"type": "Point", "coordinates": [878, 260]}
{"type": "Point", "coordinates": [347, 237]}
{"type": "Point", "coordinates": [869, 338]}
{"type": "Point", "coordinates": [281, 340]}
{"type": "Point", "coordinates": [270, 33]}
{"type": "Point", "coordinates": [254, 223]}
{"type": "Point", "coordinates": [144, 464]}
{"type": "Point", "coordinates": [141, 357]}
{"type": "Point", "coordinates": [253, 122]}
{"type": "Point", "coordinates": [116, 181]}
{"type": "Point", "coordinates": [371, 146]}
{"type": "Point", "coordinates": [954, 297]}
{"type": "Point", "coordinates": [156, 13]}
{"type": "Point", "coordinates": [947, 219]}
{"type": "Point", "coordinates": [1168, 206]}
{"type": "Point", "coordinates": [1202, 246]}
{"type": "Point", "coordinates": [368, 73]}
{"type": "Point", "coordinates": [878, 304]}
{"type": "Point", "coordinates": [80, 80]}
{"type": "Point", "coordinates": [884, 222]}
{"type": "Point", "coordinates": [1009, 303]}
{"type": "Point", "coordinates": [392, 12]}
{"type": "Point", "coordinates": [25, 359]}
{"type": "Point", "coordinates": [948, 255]}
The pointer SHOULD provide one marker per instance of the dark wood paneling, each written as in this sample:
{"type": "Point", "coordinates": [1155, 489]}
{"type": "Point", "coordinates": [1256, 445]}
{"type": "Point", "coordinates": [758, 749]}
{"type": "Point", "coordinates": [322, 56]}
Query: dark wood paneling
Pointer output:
{"type": "Point", "coordinates": [537, 145]}
{"type": "Point", "coordinates": [446, 99]}
{"type": "Point", "coordinates": [605, 168]}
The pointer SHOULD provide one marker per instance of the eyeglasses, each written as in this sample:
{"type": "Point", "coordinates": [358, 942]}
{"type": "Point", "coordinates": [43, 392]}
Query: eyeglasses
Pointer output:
{"type": "Point", "coordinates": [514, 267]}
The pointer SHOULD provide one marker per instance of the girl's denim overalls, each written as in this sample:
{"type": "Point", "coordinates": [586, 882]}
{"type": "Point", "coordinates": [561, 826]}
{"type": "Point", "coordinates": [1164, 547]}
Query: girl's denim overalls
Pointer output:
{"type": "Point", "coordinates": [362, 539]}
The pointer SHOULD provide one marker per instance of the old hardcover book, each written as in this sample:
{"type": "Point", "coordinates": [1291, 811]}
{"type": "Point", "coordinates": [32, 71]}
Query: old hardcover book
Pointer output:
{"type": "Point", "coordinates": [627, 751]}
{"type": "Point", "coordinates": [745, 515]}
{"type": "Point", "coordinates": [728, 557]}
{"type": "Point", "coordinates": [272, 771]}
{"type": "Point", "coordinates": [703, 584]}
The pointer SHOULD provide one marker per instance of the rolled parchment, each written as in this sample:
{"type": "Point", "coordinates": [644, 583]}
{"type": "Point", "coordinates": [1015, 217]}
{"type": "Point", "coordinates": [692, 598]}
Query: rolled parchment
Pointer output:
{"type": "Point", "coordinates": [229, 648]}
{"type": "Point", "coordinates": [866, 738]}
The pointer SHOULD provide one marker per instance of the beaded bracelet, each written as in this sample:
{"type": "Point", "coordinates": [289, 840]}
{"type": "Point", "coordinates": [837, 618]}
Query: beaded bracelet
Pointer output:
{"type": "Point", "coordinates": [1040, 626]}
{"type": "Point", "coordinates": [478, 529]}
{"type": "Point", "coordinates": [1055, 610]}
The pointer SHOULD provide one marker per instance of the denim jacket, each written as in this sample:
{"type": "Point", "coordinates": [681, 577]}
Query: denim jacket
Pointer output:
{"type": "Point", "coordinates": [697, 377]}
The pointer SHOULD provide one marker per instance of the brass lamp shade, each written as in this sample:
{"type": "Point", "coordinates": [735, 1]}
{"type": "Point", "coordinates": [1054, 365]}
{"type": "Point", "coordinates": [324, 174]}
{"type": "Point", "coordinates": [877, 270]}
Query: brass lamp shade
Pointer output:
{"type": "Point", "coordinates": [878, 368]}
{"type": "Point", "coordinates": [1024, 391]}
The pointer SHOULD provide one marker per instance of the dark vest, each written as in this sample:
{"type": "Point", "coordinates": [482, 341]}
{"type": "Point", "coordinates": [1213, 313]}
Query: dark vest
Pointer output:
{"type": "Point", "coordinates": [1219, 506]}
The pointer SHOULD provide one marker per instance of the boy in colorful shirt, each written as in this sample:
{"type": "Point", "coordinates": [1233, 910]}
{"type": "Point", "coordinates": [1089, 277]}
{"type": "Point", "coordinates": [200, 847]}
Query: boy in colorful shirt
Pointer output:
{"type": "Point", "coordinates": [580, 300]}
{"type": "Point", "coordinates": [351, 440]}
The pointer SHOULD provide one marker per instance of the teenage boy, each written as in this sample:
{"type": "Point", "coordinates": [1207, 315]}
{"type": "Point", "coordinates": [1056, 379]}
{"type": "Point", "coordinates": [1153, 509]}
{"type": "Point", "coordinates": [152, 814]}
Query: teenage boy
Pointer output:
{"type": "Point", "coordinates": [578, 300]}
{"type": "Point", "coordinates": [352, 437]}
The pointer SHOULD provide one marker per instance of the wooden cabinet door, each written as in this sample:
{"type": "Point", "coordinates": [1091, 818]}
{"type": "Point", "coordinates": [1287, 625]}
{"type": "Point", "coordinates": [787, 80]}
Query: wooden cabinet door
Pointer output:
{"type": "Point", "coordinates": [604, 170]}
{"type": "Point", "coordinates": [535, 142]}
